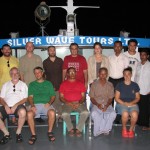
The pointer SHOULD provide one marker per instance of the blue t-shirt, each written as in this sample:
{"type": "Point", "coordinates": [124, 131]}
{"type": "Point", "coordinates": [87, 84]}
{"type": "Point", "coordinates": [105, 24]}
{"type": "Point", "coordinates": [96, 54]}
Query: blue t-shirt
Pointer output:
{"type": "Point", "coordinates": [127, 92]}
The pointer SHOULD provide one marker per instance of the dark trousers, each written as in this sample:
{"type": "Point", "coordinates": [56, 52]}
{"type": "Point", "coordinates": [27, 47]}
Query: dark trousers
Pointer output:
{"type": "Point", "coordinates": [144, 110]}
{"type": "Point", "coordinates": [115, 82]}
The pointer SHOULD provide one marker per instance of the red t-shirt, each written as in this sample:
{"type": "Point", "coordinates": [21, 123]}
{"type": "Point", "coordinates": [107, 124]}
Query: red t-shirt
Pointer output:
{"type": "Point", "coordinates": [79, 63]}
{"type": "Point", "coordinates": [72, 90]}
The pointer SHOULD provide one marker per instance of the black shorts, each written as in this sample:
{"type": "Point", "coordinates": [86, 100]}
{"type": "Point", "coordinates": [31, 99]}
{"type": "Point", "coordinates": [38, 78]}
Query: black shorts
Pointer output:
{"type": "Point", "coordinates": [5, 115]}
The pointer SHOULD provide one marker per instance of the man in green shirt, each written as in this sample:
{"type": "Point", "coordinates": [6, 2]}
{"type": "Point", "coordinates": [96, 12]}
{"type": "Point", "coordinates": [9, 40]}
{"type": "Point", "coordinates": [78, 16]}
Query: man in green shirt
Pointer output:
{"type": "Point", "coordinates": [41, 96]}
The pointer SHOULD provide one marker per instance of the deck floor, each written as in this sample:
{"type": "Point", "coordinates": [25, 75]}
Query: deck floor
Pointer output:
{"type": "Point", "coordinates": [113, 141]}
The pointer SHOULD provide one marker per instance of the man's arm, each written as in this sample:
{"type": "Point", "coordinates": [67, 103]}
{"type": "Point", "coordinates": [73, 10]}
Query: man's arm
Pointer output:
{"type": "Point", "coordinates": [64, 74]}
{"type": "Point", "coordinates": [21, 102]}
{"type": "Point", "coordinates": [85, 72]}
{"type": "Point", "coordinates": [83, 98]}
{"type": "Point", "coordinates": [52, 100]}
{"type": "Point", "coordinates": [30, 100]}
{"type": "Point", "coordinates": [2, 102]}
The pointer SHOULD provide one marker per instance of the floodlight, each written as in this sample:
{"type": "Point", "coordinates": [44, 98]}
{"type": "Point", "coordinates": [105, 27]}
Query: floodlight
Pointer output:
{"type": "Point", "coordinates": [42, 11]}
{"type": "Point", "coordinates": [42, 16]}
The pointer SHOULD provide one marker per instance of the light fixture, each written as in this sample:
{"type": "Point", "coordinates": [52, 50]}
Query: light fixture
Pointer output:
{"type": "Point", "coordinates": [42, 16]}
{"type": "Point", "coordinates": [42, 11]}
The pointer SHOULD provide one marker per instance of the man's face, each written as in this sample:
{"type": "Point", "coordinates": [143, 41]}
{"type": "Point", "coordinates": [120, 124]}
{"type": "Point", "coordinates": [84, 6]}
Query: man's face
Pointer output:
{"type": "Point", "coordinates": [51, 52]}
{"type": "Point", "coordinates": [38, 74]}
{"type": "Point", "coordinates": [74, 50]}
{"type": "Point", "coordinates": [117, 48]}
{"type": "Point", "coordinates": [72, 74]}
{"type": "Point", "coordinates": [6, 51]}
{"type": "Point", "coordinates": [144, 56]}
{"type": "Point", "coordinates": [29, 47]}
{"type": "Point", "coordinates": [15, 75]}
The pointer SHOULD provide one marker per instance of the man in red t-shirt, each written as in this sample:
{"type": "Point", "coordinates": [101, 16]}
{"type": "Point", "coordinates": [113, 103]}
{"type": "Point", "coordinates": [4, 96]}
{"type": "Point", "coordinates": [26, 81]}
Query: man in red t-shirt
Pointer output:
{"type": "Point", "coordinates": [78, 62]}
{"type": "Point", "coordinates": [72, 94]}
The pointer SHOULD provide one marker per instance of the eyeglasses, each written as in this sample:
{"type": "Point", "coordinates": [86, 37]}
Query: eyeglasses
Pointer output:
{"type": "Point", "coordinates": [14, 88]}
{"type": "Point", "coordinates": [8, 65]}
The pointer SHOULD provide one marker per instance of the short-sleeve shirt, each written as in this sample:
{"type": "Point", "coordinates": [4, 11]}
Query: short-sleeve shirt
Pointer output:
{"type": "Point", "coordinates": [26, 66]}
{"type": "Point", "coordinates": [4, 69]}
{"type": "Point", "coordinates": [53, 71]}
{"type": "Point", "coordinates": [41, 92]}
{"type": "Point", "coordinates": [14, 94]}
{"type": "Point", "coordinates": [79, 63]}
{"type": "Point", "coordinates": [127, 92]}
{"type": "Point", "coordinates": [72, 90]}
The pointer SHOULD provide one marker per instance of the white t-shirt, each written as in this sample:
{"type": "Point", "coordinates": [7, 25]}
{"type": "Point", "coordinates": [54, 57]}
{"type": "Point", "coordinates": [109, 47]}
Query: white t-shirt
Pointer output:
{"type": "Point", "coordinates": [133, 61]}
{"type": "Point", "coordinates": [12, 94]}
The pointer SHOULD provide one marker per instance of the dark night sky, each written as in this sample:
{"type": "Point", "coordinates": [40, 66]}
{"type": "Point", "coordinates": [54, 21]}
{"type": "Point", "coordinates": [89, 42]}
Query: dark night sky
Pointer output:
{"type": "Point", "coordinates": [108, 20]}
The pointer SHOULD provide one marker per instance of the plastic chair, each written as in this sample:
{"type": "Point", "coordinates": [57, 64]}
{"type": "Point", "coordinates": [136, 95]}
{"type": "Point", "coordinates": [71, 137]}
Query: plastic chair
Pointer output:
{"type": "Point", "coordinates": [76, 114]}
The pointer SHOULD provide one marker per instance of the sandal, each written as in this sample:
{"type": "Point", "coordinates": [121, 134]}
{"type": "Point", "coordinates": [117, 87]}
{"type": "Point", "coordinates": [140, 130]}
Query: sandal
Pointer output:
{"type": "Point", "coordinates": [51, 136]}
{"type": "Point", "coordinates": [78, 133]}
{"type": "Point", "coordinates": [71, 132]}
{"type": "Point", "coordinates": [5, 139]}
{"type": "Point", "coordinates": [19, 138]}
{"type": "Point", "coordinates": [32, 139]}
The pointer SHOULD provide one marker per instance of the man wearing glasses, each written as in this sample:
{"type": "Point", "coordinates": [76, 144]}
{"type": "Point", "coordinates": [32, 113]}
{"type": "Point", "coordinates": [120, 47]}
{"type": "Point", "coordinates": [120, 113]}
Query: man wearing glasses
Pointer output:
{"type": "Point", "coordinates": [12, 98]}
{"type": "Point", "coordinates": [7, 61]}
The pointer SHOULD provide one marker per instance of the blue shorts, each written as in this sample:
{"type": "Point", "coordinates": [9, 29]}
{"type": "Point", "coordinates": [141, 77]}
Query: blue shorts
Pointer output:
{"type": "Point", "coordinates": [129, 109]}
{"type": "Point", "coordinates": [42, 110]}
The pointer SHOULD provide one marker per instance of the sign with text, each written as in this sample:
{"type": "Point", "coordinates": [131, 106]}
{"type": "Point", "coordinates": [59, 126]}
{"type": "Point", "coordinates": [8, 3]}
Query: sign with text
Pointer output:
{"type": "Point", "coordinates": [65, 41]}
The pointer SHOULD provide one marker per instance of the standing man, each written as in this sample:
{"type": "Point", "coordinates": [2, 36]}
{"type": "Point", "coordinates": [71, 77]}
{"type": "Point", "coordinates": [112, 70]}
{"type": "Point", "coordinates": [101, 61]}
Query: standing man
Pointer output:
{"type": "Point", "coordinates": [28, 62]}
{"type": "Point", "coordinates": [41, 96]}
{"type": "Point", "coordinates": [7, 61]}
{"type": "Point", "coordinates": [133, 55]}
{"type": "Point", "coordinates": [53, 71]}
{"type": "Point", "coordinates": [13, 96]}
{"type": "Point", "coordinates": [78, 62]}
{"type": "Point", "coordinates": [142, 77]}
{"type": "Point", "coordinates": [72, 94]}
{"type": "Point", "coordinates": [117, 63]}
{"type": "Point", "coordinates": [26, 65]}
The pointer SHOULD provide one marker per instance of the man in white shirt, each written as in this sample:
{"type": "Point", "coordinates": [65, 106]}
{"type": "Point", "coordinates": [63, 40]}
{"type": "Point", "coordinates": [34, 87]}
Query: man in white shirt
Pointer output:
{"type": "Point", "coordinates": [117, 63]}
{"type": "Point", "coordinates": [133, 55]}
{"type": "Point", "coordinates": [142, 77]}
{"type": "Point", "coordinates": [12, 98]}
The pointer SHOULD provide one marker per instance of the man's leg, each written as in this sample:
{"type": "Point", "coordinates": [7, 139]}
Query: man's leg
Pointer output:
{"type": "Point", "coordinates": [83, 117]}
{"type": "Point", "coordinates": [31, 123]}
{"type": "Point", "coordinates": [66, 110]}
{"type": "Point", "coordinates": [3, 128]}
{"type": "Point", "coordinates": [51, 120]}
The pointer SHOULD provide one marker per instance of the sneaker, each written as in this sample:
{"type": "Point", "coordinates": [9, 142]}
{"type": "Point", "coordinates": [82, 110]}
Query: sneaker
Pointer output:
{"type": "Point", "coordinates": [125, 133]}
{"type": "Point", "coordinates": [131, 134]}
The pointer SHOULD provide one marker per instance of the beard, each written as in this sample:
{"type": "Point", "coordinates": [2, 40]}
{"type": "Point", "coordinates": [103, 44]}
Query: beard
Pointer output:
{"type": "Point", "coordinates": [52, 55]}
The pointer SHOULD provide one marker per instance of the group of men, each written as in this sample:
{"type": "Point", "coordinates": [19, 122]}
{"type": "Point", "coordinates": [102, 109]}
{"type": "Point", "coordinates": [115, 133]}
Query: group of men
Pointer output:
{"type": "Point", "coordinates": [40, 83]}
{"type": "Point", "coordinates": [59, 85]}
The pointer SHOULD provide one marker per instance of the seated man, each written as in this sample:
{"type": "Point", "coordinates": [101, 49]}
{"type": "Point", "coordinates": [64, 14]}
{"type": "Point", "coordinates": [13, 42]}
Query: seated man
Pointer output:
{"type": "Point", "coordinates": [72, 94]}
{"type": "Point", "coordinates": [13, 96]}
{"type": "Point", "coordinates": [101, 95]}
{"type": "Point", "coordinates": [41, 96]}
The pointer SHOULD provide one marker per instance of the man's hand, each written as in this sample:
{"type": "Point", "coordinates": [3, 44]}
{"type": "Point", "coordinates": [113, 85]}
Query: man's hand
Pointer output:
{"type": "Point", "coordinates": [8, 110]}
{"type": "Point", "coordinates": [13, 109]}
{"type": "Point", "coordinates": [46, 105]}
